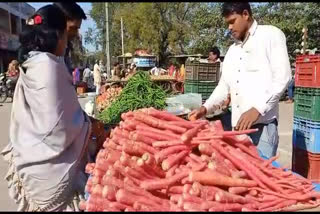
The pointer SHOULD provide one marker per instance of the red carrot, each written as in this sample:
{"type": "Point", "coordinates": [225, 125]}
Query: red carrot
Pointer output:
{"type": "Point", "coordinates": [281, 204]}
{"type": "Point", "coordinates": [225, 207]}
{"type": "Point", "coordinates": [227, 197]}
{"type": "Point", "coordinates": [171, 171]}
{"type": "Point", "coordinates": [266, 163]}
{"type": "Point", "coordinates": [195, 157]}
{"type": "Point", "coordinates": [299, 207]}
{"type": "Point", "coordinates": [184, 124]}
{"type": "Point", "coordinates": [125, 197]}
{"type": "Point", "coordinates": [215, 178]}
{"type": "Point", "coordinates": [258, 173]}
{"type": "Point", "coordinates": [187, 188]}
{"type": "Point", "coordinates": [173, 160]}
{"type": "Point", "coordinates": [162, 183]}
{"type": "Point", "coordinates": [109, 192]}
{"type": "Point", "coordinates": [112, 181]}
{"type": "Point", "coordinates": [237, 190]}
{"type": "Point", "coordinates": [240, 164]}
{"type": "Point", "coordinates": [187, 136]}
{"type": "Point", "coordinates": [154, 135]}
{"type": "Point", "coordinates": [192, 206]}
{"type": "Point", "coordinates": [176, 189]}
{"type": "Point", "coordinates": [167, 143]}
{"type": "Point", "coordinates": [144, 139]}
{"type": "Point", "coordinates": [97, 190]}
{"type": "Point", "coordinates": [137, 148]}
{"type": "Point", "coordinates": [154, 122]}
{"type": "Point", "coordinates": [218, 167]}
{"type": "Point", "coordinates": [152, 168]}
{"type": "Point", "coordinates": [160, 156]}
{"type": "Point", "coordinates": [175, 197]}
{"type": "Point", "coordinates": [170, 136]}
{"type": "Point", "coordinates": [239, 174]}
{"type": "Point", "coordinates": [163, 115]}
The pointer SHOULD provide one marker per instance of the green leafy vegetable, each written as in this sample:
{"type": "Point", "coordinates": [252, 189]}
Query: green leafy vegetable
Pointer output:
{"type": "Point", "coordinates": [140, 92]}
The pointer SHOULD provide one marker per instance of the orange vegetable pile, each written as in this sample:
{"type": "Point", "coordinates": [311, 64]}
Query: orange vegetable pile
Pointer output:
{"type": "Point", "coordinates": [104, 100]}
{"type": "Point", "coordinates": [155, 161]}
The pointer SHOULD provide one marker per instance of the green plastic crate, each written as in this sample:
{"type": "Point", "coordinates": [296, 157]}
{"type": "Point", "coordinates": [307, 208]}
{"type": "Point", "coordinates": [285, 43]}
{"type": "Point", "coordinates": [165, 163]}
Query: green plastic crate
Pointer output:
{"type": "Point", "coordinates": [205, 88]}
{"type": "Point", "coordinates": [202, 71]}
{"type": "Point", "coordinates": [307, 103]}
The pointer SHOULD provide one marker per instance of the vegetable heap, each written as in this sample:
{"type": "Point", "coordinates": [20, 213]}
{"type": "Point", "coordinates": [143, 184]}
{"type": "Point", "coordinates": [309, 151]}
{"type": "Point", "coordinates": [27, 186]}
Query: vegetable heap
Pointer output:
{"type": "Point", "coordinates": [140, 92]}
{"type": "Point", "coordinates": [155, 161]}
{"type": "Point", "coordinates": [104, 100]}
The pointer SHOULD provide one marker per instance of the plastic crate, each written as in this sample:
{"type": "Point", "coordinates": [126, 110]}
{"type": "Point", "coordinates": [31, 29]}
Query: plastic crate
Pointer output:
{"type": "Point", "coordinates": [307, 102]}
{"type": "Point", "coordinates": [306, 164]}
{"type": "Point", "coordinates": [306, 135]}
{"type": "Point", "coordinates": [205, 88]}
{"type": "Point", "coordinates": [308, 71]}
{"type": "Point", "coordinates": [203, 71]}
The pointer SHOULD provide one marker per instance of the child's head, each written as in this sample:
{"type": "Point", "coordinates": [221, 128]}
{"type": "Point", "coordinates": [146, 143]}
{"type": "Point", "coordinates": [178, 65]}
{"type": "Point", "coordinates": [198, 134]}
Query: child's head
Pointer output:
{"type": "Point", "coordinates": [45, 31]}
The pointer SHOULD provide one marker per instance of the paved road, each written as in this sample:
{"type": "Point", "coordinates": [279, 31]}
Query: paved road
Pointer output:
{"type": "Point", "coordinates": [6, 204]}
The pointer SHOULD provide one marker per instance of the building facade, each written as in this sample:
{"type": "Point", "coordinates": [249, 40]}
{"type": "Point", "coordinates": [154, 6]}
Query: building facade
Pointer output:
{"type": "Point", "coordinates": [13, 17]}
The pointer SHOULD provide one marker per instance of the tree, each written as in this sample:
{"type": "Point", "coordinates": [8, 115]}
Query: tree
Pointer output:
{"type": "Point", "coordinates": [291, 18]}
{"type": "Point", "coordinates": [160, 27]}
{"type": "Point", "coordinates": [190, 28]}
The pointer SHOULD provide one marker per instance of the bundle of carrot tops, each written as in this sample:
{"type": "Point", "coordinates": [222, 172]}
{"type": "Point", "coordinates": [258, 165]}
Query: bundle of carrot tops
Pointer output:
{"type": "Point", "coordinates": [155, 161]}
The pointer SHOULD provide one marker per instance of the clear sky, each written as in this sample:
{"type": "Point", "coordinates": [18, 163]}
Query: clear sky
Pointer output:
{"type": "Point", "coordinates": [85, 23]}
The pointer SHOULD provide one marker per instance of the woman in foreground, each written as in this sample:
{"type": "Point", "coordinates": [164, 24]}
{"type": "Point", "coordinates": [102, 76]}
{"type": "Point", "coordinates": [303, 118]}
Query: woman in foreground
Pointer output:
{"type": "Point", "coordinates": [49, 132]}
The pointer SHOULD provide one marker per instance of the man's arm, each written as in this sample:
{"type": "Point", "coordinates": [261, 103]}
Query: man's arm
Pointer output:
{"type": "Point", "coordinates": [220, 93]}
{"type": "Point", "coordinates": [281, 71]}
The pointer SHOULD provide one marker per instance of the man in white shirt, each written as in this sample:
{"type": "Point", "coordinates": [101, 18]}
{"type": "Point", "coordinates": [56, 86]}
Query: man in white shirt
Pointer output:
{"type": "Point", "coordinates": [86, 74]}
{"type": "Point", "coordinates": [97, 77]}
{"type": "Point", "coordinates": [256, 72]}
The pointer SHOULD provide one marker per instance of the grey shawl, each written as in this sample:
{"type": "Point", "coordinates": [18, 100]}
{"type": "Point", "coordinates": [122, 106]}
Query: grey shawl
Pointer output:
{"type": "Point", "coordinates": [49, 132]}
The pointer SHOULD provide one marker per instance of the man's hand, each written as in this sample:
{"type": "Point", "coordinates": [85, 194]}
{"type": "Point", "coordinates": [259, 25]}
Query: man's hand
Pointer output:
{"type": "Point", "coordinates": [198, 113]}
{"type": "Point", "coordinates": [247, 119]}
{"type": "Point", "coordinates": [226, 103]}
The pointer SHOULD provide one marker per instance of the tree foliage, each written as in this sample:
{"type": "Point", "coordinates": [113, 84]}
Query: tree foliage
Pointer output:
{"type": "Point", "coordinates": [169, 28]}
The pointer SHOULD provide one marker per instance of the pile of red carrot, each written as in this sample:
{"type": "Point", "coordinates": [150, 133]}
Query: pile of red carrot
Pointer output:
{"type": "Point", "coordinates": [155, 161]}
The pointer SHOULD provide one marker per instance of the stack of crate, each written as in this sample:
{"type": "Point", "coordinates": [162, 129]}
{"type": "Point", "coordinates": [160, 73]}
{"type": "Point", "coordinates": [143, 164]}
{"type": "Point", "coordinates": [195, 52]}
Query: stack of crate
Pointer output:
{"type": "Point", "coordinates": [306, 127]}
{"type": "Point", "coordinates": [201, 78]}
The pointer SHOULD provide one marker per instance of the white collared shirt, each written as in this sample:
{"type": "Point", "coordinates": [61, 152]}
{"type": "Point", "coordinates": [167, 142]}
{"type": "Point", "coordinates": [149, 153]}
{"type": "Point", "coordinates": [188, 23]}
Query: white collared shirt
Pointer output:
{"type": "Point", "coordinates": [255, 73]}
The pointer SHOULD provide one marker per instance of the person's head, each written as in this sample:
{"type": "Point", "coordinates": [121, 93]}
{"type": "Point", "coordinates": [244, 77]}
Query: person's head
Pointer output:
{"type": "Point", "coordinates": [97, 61]}
{"type": "Point", "coordinates": [100, 62]}
{"type": "Point", "coordinates": [45, 31]}
{"type": "Point", "coordinates": [238, 16]}
{"type": "Point", "coordinates": [133, 66]}
{"type": "Point", "coordinates": [74, 15]}
{"type": "Point", "coordinates": [116, 65]}
{"type": "Point", "coordinates": [214, 54]}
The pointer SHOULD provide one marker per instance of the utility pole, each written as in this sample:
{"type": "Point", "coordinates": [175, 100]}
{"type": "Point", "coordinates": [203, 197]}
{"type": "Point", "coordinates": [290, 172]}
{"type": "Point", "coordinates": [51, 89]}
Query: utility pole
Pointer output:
{"type": "Point", "coordinates": [107, 40]}
{"type": "Point", "coordinates": [123, 59]}
{"type": "Point", "coordinates": [304, 38]}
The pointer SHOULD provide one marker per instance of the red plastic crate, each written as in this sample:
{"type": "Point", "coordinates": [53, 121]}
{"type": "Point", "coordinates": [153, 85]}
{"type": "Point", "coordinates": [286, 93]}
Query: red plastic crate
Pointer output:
{"type": "Point", "coordinates": [306, 164]}
{"type": "Point", "coordinates": [308, 71]}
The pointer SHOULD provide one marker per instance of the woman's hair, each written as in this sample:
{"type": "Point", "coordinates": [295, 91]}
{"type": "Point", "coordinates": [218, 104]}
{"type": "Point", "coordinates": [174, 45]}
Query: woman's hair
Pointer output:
{"type": "Point", "coordinates": [71, 10]}
{"type": "Point", "coordinates": [42, 31]}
